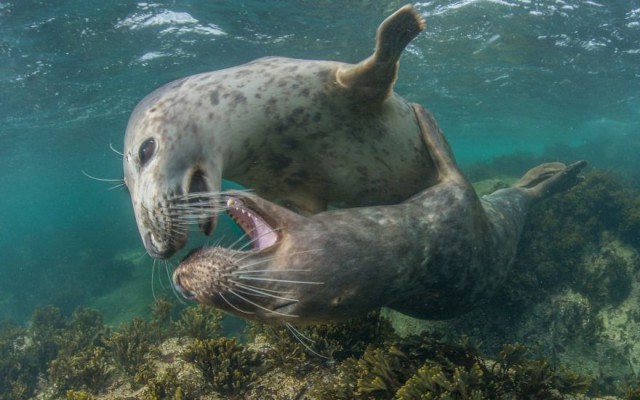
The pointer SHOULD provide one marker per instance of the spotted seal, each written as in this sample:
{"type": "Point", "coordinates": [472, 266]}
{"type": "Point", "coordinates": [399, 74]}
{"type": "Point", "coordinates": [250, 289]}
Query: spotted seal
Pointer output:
{"type": "Point", "coordinates": [433, 256]}
{"type": "Point", "coordinates": [300, 133]}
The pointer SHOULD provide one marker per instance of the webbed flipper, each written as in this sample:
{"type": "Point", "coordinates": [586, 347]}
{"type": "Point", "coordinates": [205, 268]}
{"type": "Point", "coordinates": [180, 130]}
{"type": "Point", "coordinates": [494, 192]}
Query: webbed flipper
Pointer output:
{"type": "Point", "coordinates": [548, 179]}
{"type": "Point", "coordinates": [373, 78]}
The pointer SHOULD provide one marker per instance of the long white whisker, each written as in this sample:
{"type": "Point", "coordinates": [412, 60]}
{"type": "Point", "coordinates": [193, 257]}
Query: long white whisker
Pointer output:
{"type": "Point", "coordinates": [115, 151]}
{"type": "Point", "coordinates": [261, 307]}
{"type": "Point", "coordinates": [235, 243]}
{"type": "Point", "coordinates": [153, 273]}
{"type": "Point", "coordinates": [282, 292]}
{"type": "Point", "coordinates": [257, 278]}
{"type": "Point", "coordinates": [234, 307]}
{"type": "Point", "coordinates": [298, 335]}
{"type": "Point", "coordinates": [101, 179]}
{"type": "Point", "coordinates": [239, 260]}
{"type": "Point", "coordinates": [260, 292]}
{"type": "Point", "coordinates": [261, 271]}
{"type": "Point", "coordinates": [199, 205]}
{"type": "Point", "coordinates": [267, 259]}
{"type": "Point", "coordinates": [168, 268]}
{"type": "Point", "coordinates": [118, 186]}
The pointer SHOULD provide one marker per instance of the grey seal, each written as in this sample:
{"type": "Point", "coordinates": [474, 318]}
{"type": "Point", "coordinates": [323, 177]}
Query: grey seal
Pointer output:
{"type": "Point", "coordinates": [434, 256]}
{"type": "Point", "coordinates": [302, 133]}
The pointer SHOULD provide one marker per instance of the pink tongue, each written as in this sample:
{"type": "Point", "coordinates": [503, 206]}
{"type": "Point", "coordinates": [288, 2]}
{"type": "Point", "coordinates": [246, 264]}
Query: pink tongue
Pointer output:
{"type": "Point", "coordinates": [260, 233]}
{"type": "Point", "coordinates": [263, 234]}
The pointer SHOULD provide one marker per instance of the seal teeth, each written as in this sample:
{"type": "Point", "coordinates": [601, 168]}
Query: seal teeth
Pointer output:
{"type": "Point", "coordinates": [254, 226]}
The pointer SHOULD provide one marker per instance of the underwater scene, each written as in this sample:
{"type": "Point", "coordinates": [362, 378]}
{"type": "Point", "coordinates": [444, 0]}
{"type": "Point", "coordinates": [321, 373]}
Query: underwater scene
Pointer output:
{"type": "Point", "coordinates": [90, 307]}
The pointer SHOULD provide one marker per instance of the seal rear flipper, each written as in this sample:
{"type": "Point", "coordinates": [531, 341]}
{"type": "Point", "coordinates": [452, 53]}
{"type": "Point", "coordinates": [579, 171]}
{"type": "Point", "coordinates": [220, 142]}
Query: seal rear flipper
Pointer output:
{"type": "Point", "coordinates": [550, 178]}
{"type": "Point", "coordinates": [374, 77]}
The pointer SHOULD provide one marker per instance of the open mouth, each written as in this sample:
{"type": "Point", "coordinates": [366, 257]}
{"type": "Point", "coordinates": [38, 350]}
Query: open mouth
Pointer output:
{"type": "Point", "coordinates": [261, 235]}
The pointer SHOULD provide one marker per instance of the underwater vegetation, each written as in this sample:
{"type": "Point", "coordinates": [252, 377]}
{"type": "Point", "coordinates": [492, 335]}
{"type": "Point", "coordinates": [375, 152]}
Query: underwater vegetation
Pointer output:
{"type": "Point", "coordinates": [570, 258]}
{"type": "Point", "coordinates": [319, 343]}
{"type": "Point", "coordinates": [80, 359]}
{"type": "Point", "coordinates": [227, 366]}
{"type": "Point", "coordinates": [65, 349]}
{"type": "Point", "coordinates": [559, 234]}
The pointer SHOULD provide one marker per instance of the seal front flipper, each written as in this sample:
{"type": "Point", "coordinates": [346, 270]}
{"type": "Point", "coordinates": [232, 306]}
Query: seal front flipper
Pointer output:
{"type": "Point", "coordinates": [374, 77]}
{"type": "Point", "coordinates": [437, 146]}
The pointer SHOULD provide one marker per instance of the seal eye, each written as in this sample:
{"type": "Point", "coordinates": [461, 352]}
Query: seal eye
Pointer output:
{"type": "Point", "coordinates": [147, 149]}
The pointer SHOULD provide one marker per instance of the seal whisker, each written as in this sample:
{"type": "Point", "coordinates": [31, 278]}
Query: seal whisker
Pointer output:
{"type": "Point", "coordinates": [261, 307]}
{"type": "Point", "coordinates": [153, 273]}
{"type": "Point", "coordinates": [299, 336]}
{"type": "Point", "coordinates": [240, 239]}
{"type": "Point", "coordinates": [283, 292]}
{"type": "Point", "coordinates": [119, 180]}
{"type": "Point", "coordinates": [195, 219]}
{"type": "Point", "coordinates": [198, 205]}
{"type": "Point", "coordinates": [238, 260]}
{"type": "Point", "coordinates": [255, 290]}
{"type": "Point", "coordinates": [257, 278]}
{"type": "Point", "coordinates": [269, 232]}
{"type": "Point", "coordinates": [185, 213]}
{"type": "Point", "coordinates": [186, 209]}
{"type": "Point", "coordinates": [121, 154]}
{"type": "Point", "coordinates": [252, 241]}
{"type": "Point", "coordinates": [267, 259]}
{"type": "Point", "coordinates": [256, 271]}
{"type": "Point", "coordinates": [118, 186]}
{"type": "Point", "coordinates": [169, 269]}
{"type": "Point", "coordinates": [195, 208]}
{"type": "Point", "coordinates": [233, 306]}
{"type": "Point", "coordinates": [160, 275]}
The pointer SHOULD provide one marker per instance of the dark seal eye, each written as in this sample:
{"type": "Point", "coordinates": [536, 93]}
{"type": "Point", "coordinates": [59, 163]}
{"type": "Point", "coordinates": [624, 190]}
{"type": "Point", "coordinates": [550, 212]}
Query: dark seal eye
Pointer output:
{"type": "Point", "coordinates": [146, 151]}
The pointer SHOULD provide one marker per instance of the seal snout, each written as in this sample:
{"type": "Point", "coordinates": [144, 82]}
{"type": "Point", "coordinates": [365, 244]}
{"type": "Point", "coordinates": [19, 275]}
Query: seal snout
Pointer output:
{"type": "Point", "coordinates": [153, 250]}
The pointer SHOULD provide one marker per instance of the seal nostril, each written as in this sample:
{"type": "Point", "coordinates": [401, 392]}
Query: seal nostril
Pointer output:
{"type": "Point", "coordinates": [181, 289]}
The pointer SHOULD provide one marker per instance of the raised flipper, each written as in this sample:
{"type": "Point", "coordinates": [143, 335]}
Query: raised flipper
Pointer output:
{"type": "Point", "coordinates": [548, 179]}
{"type": "Point", "coordinates": [437, 146]}
{"type": "Point", "coordinates": [373, 78]}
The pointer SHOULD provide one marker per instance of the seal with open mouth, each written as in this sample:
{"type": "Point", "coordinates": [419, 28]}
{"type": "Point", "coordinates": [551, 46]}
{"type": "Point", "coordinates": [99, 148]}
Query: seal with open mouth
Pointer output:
{"type": "Point", "coordinates": [301, 133]}
{"type": "Point", "coordinates": [433, 256]}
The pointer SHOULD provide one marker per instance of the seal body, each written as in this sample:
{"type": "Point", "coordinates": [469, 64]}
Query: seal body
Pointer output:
{"type": "Point", "coordinates": [433, 256]}
{"type": "Point", "coordinates": [301, 133]}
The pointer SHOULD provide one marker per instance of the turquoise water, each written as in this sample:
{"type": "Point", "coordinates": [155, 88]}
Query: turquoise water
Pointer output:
{"type": "Point", "coordinates": [502, 77]}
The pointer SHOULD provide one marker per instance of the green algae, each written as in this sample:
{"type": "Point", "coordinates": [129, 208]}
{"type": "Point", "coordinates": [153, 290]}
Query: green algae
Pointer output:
{"type": "Point", "coordinates": [372, 362]}
{"type": "Point", "coordinates": [87, 368]}
{"type": "Point", "coordinates": [199, 322]}
{"type": "Point", "coordinates": [227, 365]}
